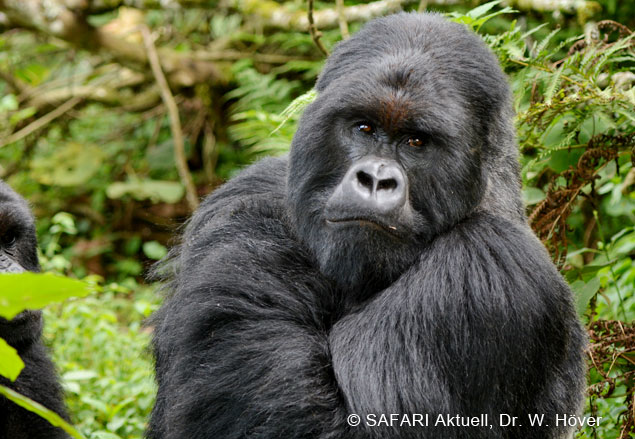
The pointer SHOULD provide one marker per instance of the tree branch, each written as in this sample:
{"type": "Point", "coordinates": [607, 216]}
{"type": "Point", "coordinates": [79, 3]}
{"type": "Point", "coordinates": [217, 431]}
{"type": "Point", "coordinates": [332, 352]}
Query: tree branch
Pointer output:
{"type": "Point", "coordinates": [101, 6]}
{"type": "Point", "coordinates": [41, 122]}
{"type": "Point", "coordinates": [275, 15]}
{"type": "Point", "coordinates": [315, 33]}
{"type": "Point", "coordinates": [110, 88]}
{"type": "Point", "coordinates": [55, 19]}
{"type": "Point", "coordinates": [339, 6]}
{"type": "Point", "coordinates": [570, 6]}
{"type": "Point", "coordinates": [175, 122]}
{"type": "Point", "coordinates": [234, 55]}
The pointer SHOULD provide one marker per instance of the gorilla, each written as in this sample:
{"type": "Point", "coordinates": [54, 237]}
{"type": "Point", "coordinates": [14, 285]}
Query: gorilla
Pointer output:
{"type": "Point", "coordinates": [38, 380]}
{"type": "Point", "coordinates": [382, 278]}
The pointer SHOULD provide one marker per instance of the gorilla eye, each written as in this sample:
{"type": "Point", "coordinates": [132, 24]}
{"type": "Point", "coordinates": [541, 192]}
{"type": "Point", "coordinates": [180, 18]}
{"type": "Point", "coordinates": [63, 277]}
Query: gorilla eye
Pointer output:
{"type": "Point", "coordinates": [365, 127]}
{"type": "Point", "coordinates": [8, 240]}
{"type": "Point", "coordinates": [415, 142]}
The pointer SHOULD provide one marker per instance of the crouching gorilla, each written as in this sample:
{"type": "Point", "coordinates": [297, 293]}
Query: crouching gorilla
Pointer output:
{"type": "Point", "coordinates": [384, 267]}
{"type": "Point", "coordinates": [38, 381]}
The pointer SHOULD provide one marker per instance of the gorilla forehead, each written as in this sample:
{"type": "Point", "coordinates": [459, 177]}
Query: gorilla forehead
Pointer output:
{"type": "Point", "coordinates": [13, 209]}
{"type": "Point", "coordinates": [402, 93]}
{"type": "Point", "coordinates": [420, 52]}
{"type": "Point", "coordinates": [7, 195]}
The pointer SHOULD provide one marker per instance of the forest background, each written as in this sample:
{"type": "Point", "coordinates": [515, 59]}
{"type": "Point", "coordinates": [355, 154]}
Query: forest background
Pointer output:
{"type": "Point", "coordinates": [117, 116]}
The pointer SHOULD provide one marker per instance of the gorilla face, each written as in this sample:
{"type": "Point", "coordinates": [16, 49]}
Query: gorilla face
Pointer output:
{"type": "Point", "coordinates": [18, 245]}
{"type": "Point", "coordinates": [391, 153]}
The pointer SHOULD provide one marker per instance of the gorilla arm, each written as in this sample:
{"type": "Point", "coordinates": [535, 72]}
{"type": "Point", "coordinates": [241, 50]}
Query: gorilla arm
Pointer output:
{"type": "Point", "coordinates": [470, 329]}
{"type": "Point", "coordinates": [248, 343]}
{"type": "Point", "coordinates": [241, 345]}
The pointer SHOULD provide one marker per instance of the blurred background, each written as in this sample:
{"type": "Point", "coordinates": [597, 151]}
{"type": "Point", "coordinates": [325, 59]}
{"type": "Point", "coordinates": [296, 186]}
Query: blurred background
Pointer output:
{"type": "Point", "coordinates": [117, 116]}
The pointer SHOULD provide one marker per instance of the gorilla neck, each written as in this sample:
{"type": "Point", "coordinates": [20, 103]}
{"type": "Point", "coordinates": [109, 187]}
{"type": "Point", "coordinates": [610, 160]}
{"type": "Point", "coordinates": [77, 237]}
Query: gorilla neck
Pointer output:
{"type": "Point", "coordinates": [360, 270]}
{"type": "Point", "coordinates": [355, 284]}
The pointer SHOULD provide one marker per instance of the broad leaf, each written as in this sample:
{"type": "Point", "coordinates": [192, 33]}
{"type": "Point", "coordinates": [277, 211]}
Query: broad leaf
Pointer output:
{"type": "Point", "coordinates": [22, 291]}
{"type": "Point", "coordinates": [10, 362]}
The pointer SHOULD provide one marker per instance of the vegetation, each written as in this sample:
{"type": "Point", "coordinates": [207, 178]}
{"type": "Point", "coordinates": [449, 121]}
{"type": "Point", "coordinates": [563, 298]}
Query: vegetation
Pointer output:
{"type": "Point", "coordinates": [114, 158]}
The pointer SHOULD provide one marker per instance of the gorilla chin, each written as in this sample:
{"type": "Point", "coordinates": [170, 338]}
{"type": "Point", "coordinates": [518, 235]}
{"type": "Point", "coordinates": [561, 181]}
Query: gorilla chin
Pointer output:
{"type": "Point", "coordinates": [362, 256]}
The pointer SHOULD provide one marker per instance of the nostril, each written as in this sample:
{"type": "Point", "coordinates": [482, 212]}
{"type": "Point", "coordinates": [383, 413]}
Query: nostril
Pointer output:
{"type": "Point", "coordinates": [365, 180]}
{"type": "Point", "coordinates": [388, 184]}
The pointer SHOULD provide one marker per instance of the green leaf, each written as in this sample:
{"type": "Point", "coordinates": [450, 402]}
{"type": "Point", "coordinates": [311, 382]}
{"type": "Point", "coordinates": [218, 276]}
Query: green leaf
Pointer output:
{"type": "Point", "coordinates": [533, 195]}
{"type": "Point", "coordinates": [596, 123]}
{"type": "Point", "coordinates": [562, 159]}
{"type": "Point", "coordinates": [19, 116]}
{"type": "Point", "coordinates": [10, 362]}
{"type": "Point", "coordinates": [476, 17]}
{"type": "Point", "coordinates": [540, 47]}
{"type": "Point", "coordinates": [554, 83]}
{"type": "Point", "coordinates": [63, 222]}
{"type": "Point", "coordinates": [584, 292]}
{"type": "Point", "coordinates": [622, 244]}
{"type": "Point", "coordinates": [482, 9]}
{"type": "Point", "coordinates": [34, 73]}
{"type": "Point", "coordinates": [157, 190]}
{"type": "Point", "coordinates": [22, 291]}
{"type": "Point", "coordinates": [533, 31]}
{"type": "Point", "coordinates": [8, 103]}
{"type": "Point", "coordinates": [104, 435]}
{"type": "Point", "coordinates": [296, 107]}
{"type": "Point", "coordinates": [154, 250]}
{"type": "Point", "coordinates": [37, 408]}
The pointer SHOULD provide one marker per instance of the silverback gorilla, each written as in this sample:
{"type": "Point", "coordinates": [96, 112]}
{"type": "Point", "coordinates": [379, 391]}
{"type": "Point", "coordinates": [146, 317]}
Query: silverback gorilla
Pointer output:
{"type": "Point", "coordinates": [38, 381]}
{"type": "Point", "coordinates": [384, 267]}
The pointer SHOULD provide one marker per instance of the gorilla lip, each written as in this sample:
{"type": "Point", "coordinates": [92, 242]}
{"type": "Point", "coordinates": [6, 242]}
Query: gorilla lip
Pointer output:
{"type": "Point", "coordinates": [366, 222]}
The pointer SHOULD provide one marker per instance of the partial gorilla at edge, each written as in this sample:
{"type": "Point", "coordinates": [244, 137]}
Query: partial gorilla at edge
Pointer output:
{"type": "Point", "coordinates": [38, 380]}
{"type": "Point", "coordinates": [384, 266]}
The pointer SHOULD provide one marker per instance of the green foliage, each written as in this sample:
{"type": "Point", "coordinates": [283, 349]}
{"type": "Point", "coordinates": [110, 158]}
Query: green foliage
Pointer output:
{"type": "Point", "coordinates": [576, 132]}
{"type": "Point", "coordinates": [101, 349]}
{"type": "Point", "coordinates": [154, 250]}
{"type": "Point", "coordinates": [477, 17]}
{"type": "Point", "coordinates": [104, 186]}
{"type": "Point", "coordinates": [259, 127]}
{"type": "Point", "coordinates": [72, 164]}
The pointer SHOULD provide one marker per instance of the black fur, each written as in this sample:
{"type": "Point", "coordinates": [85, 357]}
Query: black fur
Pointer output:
{"type": "Point", "coordinates": [280, 322]}
{"type": "Point", "coordinates": [38, 380]}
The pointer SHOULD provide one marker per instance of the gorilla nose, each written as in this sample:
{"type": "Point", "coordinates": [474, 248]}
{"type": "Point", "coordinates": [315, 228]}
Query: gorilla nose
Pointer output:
{"type": "Point", "coordinates": [379, 184]}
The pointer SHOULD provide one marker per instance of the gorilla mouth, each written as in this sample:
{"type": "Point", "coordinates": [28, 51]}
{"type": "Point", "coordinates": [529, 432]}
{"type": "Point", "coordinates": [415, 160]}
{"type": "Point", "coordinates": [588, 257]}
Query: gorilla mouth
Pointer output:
{"type": "Point", "coordinates": [373, 223]}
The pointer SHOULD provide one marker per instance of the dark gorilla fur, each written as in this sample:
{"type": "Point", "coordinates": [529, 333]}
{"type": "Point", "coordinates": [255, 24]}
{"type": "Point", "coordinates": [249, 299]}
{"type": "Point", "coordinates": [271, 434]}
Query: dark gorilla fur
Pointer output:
{"type": "Point", "coordinates": [281, 321]}
{"type": "Point", "coordinates": [38, 380]}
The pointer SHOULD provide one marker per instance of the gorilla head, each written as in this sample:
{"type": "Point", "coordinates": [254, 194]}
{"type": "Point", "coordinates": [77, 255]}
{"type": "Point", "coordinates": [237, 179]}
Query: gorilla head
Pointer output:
{"type": "Point", "coordinates": [18, 245]}
{"type": "Point", "coordinates": [18, 253]}
{"type": "Point", "coordinates": [410, 134]}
